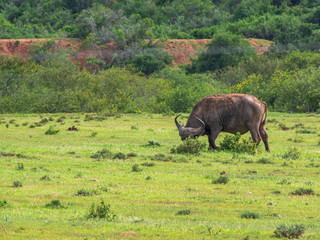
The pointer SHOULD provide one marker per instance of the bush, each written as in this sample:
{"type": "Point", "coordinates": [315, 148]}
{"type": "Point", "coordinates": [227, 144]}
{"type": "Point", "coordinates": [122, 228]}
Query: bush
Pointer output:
{"type": "Point", "coordinates": [264, 161]}
{"type": "Point", "coordinates": [203, 33]}
{"type": "Point", "coordinates": [103, 154]}
{"type": "Point", "coordinates": [233, 143]}
{"type": "Point", "coordinates": [291, 231]}
{"type": "Point", "coordinates": [151, 60]}
{"type": "Point", "coordinates": [251, 215]}
{"type": "Point", "coordinates": [20, 166]}
{"type": "Point", "coordinates": [226, 49]}
{"type": "Point", "coordinates": [3, 203]}
{"type": "Point", "coordinates": [135, 168]}
{"type": "Point", "coordinates": [221, 180]}
{"type": "Point", "coordinates": [293, 154]}
{"type": "Point", "coordinates": [303, 191]}
{"type": "Point", "coordinates": [153, 143]}
{"type": "Point", "coordinates": [189, 146]}
{"type": "Point", "coordinates": [183, 212]}
{"type": "Point", "coordinates": [17, 184]}
{"type": "Point", "coordinates": [148, 164]}
{"type": "Point", "coordinates": [84, 192]}
{"type": "Point", "coordinates": [119, 155]}
{"type": "Point", "coordinates": [101, 211]}
{"type": "Point", "coordinates": [52, 131]}
{"type": "Point", "coordinates": [161, 157]}
{"type": "Point", "coordinates": [54, 204]}
{"type": "Point", "coordinates": [45, 178]}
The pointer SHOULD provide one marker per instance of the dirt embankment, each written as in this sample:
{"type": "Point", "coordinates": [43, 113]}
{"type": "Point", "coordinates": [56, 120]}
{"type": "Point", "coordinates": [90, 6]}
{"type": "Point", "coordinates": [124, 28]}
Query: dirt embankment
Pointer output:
{"type": "Point", "coordinates": [180, 49]}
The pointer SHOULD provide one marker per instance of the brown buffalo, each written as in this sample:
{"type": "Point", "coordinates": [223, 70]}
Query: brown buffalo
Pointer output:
{"type": "Point", "coordinates": [230, 113]}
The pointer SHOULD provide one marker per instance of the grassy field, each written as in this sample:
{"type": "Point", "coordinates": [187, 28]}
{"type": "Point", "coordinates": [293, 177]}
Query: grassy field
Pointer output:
{"type": "Point", "coordinates": [48, 183]}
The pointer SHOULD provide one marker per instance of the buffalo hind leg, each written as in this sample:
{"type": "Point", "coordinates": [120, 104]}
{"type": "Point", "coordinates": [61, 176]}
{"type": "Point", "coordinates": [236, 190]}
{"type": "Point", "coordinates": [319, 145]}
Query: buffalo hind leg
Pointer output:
{"type": "Point", "coordinates": [264, 137]}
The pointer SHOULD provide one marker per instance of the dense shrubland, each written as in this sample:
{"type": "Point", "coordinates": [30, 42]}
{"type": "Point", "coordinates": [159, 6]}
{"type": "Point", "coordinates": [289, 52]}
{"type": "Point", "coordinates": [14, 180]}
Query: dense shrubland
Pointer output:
{"type": "Point", "coordinates": [55, 84]}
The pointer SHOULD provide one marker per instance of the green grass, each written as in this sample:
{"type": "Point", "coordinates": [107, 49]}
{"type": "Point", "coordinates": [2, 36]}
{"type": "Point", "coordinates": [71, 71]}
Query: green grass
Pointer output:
{"type": "Point", "coordinates": [153, 201]}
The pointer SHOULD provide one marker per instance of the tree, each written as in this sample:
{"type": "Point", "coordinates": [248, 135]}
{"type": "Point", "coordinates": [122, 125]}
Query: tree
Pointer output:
{"type": "Point", "coordinates": [226, 49]}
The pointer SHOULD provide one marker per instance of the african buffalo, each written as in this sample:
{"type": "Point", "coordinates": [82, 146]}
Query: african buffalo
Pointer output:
{"type": "Point", "coordinates": [226, 113]}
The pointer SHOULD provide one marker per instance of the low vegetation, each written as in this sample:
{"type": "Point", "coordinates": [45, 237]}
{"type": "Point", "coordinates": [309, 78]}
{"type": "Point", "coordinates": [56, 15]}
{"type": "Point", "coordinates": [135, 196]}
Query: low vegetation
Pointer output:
{"type": "Point", "coordinates": [116, 184]}
{"type": "Point", "coordinates": [294, 231]}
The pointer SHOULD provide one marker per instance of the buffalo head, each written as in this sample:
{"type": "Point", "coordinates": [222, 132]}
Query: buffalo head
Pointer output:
{"type": "Point", "coordinates": [186, 132]}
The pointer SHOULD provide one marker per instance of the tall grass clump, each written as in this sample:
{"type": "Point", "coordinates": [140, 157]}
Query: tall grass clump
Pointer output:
{"type": "Point", "coordinates": [234, 143]}
{"type": "Point", "coordinates": [289, 231]}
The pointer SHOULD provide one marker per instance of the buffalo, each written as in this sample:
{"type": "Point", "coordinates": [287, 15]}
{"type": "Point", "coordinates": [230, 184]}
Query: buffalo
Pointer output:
{"type": "Point", "coordinates": [230, 113]}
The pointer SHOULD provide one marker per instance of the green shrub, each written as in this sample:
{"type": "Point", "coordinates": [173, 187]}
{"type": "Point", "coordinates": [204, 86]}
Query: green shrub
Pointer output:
{"type": "Point", "coordinates": [249, 214]}
{"type": "Point", "coordinates": [93, 134]}
{"type": "Point", "coordinates": [84, 192]}
{"type": "Point", "coordinates": [45, 178]}
{"type": "Point", "coordinates": [20, 166]}
{"type": "Point", "coordinates": [161, 157]}
{"type": "Point", "coordinates": [264, 161]}
{"type": "Point", "coordinates": [293, 154]}
{"type": "Point", "coordinates": [3, 203]}
{"type": "Point", "coordinates": [101, 211]}
{"type": "Point", "coordinates": [303, 191]}
{"type": "Point", "coordinates": [52, 131]}
{"type": "Point", "coordinates": [103, 154]}
{"type": "Point", "coordinates": [17, 184]}
{"type": "Point", "coordinates": [119, 155]}
{"type": "Point", "coordinates": [135, 168]}
{"type": "Point", "coordinates": [153, 143]}
{"type": "Point", "coordinates": [54, 204]}
{"type": "Point", "coordinates": [148, 164]}
{"type": "Point", "coordinates": [221, 180]}
{"type": "Point", "coordinates": [189, 146]}
{"type": "Point", "coordinates": [183, 212]}
{"type": "Point", "coordinates": [289, 231]}
{"type": "Point", "coordinates": [233, 143]}
{"type": "Point", "coordinates": [151, 60]}
{"type": "Point", "coordinates": [43, 121]}
{"type": "Point", "coordinates": [129, 155]}
{"type": "Point", "coordinates": [226, 49]}
{"type": "Point", "coordinates": [306, 131]}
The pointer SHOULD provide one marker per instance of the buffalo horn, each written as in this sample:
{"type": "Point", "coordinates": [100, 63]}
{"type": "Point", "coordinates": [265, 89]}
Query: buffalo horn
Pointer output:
{"type": "Point", "coordinates": [199, 130]}
{"type": "Point", "coordinates": [177, 122]}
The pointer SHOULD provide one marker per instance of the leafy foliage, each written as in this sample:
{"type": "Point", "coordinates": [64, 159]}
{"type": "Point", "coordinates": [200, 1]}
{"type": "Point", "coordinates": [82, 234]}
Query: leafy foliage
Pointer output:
{"type": "Point", "coordinates": [233, 143]}
{"type": "Point", "coordinates": [189, 146]}
{"type": "Point", "coordinates": [289, 231]}
{"type": "Point", "coordinates": [101, 211]}
{"type": "Point", "coordinates": [303, 191]}
{"type": "Point", "coordinates": [221, 180]}
{"type": "Point", "coordinates": [251, 215]}
{"type": "Point", "coordinates": [226, 49]}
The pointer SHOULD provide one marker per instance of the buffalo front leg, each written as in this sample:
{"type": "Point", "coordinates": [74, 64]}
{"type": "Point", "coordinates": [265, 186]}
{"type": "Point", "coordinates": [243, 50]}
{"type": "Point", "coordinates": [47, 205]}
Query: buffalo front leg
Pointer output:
{"type": "Point", "coordinates": [212, 138]}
